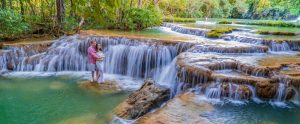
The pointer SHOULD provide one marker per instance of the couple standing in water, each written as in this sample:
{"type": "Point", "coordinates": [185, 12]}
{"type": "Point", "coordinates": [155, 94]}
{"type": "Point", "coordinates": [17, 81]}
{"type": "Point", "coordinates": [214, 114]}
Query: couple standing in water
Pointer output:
{"type": "Point", "coordinates": [96, 64]}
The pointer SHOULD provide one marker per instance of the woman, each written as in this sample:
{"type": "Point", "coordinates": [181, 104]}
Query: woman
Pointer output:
{"type": "Point", "coordinates": [100, 63]}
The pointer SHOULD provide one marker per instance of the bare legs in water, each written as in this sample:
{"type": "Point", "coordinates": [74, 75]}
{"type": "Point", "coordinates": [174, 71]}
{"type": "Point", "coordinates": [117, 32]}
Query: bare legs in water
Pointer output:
{"type": "Point", "coordinates": [99, 75]}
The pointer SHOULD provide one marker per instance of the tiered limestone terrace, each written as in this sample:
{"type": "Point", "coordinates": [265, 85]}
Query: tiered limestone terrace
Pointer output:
{"type": "Point", "coordinates": [262, 72]}
{"type": "Point", "coordinates": [243, 33]}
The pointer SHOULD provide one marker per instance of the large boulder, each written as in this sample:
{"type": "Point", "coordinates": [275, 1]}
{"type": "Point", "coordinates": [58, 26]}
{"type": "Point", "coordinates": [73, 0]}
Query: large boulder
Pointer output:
{"type": "Point", "coordinates": [140, 102]}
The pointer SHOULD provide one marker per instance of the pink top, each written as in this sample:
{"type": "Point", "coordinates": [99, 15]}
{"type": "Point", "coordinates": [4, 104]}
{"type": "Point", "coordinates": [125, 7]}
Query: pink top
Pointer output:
{"type": "Point", "coordinates": [92, 56]}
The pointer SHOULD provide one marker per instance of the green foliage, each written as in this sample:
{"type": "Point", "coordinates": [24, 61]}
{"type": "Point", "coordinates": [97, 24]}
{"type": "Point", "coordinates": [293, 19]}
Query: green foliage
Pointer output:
{"type": "Point", "coordinates": [11, 23]}
{"type": "Point", "coordinates": [70, 24]}
{"type": "Point", "coordinates": [273, 9]}
{"type": "Point", "coordinates": [40, 15]}
{"type": "Point", "coordinates": [217, 33]}
{"type": "Point", "coordinates": [141, 18]}
{"type": "Point", "coordinates": [256, 9]}
{"type": "Point", "coordinates": [176, 19]}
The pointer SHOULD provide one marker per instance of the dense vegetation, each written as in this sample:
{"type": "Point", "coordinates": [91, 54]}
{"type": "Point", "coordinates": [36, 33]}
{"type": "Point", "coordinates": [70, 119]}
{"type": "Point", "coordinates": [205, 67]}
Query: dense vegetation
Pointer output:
{"type": "Point", "coordinates": [277, 23]}
{"type": "Point", "coordinates": [56, 17]}
{"type": "Point", "coordinates": [251, 9]}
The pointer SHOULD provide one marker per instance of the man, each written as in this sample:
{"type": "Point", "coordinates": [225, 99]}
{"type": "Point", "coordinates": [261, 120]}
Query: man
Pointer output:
{"type": "Point", "coordinates": [92, 57]}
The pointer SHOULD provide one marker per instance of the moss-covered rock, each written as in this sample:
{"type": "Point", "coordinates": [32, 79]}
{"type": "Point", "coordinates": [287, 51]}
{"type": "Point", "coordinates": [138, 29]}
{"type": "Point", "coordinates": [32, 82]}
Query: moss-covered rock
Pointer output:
{"type": "Point", "coordinates": [224, 22]}
{"type": "Point", "coordinates": [276, 33]}
{"type": "Point", "coordinates": [216, 33]}
{"type": "Point", "coordinates": [270, 23]}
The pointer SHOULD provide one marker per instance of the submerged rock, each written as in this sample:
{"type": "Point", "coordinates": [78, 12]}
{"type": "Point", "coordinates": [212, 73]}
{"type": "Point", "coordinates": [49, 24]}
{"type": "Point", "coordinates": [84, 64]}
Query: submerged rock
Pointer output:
{"type": "Point", "coordinates": [140, 102]}
{"type": "Point", "coordinates": [106, 87]}
{"type": "Point", "coordinates": [183, 109]}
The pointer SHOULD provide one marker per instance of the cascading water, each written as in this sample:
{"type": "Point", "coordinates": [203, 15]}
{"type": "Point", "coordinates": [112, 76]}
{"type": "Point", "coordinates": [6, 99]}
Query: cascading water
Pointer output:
{"type": "Point", "coordinates": [237, 36]}
{"type": "Point", "coordinates": [169, 74]}
{"type": "Point", "coordinates": [124, 56]}
{"type": "Point", "coordinates": [280, 46]}
{"type": "Point", "coordinates": [3, 62]}
{"type": "Point", "coordinates": [254, 96]}
{"type": "Point", "coordinates": [214, 91]}
{"type": "Point", "coordinates": [280, 96]}
{"type": "Point", "coordinates": [138, 58]}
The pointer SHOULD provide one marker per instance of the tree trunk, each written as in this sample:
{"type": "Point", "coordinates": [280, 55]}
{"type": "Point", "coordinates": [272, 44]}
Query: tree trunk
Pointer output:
{"type": "Point", "coordinates": [140, 3]}
{"type": "Point", "coordinates": [3, 4]}
{"type": "Point", "coordinates": [155, 2]}
{"type": "Point", "coordinates": [22, 7]}
{"type": "Point", "coordinates": [60, 13]}
{"type": "Point", "coordinates": [72, 12]}
{"type": "Point", "coordinates": [10, 4]}
{"type": "Point", "coordinates": [79, 25]}
{"type": "Point", "coordinates": [32, 8]}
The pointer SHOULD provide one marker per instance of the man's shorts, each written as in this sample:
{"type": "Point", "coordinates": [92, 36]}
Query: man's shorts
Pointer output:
{"type": "Point", "coordinates": [91, 67]}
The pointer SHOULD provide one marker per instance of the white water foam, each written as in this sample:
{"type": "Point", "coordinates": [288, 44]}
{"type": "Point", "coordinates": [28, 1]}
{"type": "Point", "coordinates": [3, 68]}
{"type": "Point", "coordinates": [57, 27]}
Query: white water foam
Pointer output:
{"type": "Point", "coordinates": [125, 82]}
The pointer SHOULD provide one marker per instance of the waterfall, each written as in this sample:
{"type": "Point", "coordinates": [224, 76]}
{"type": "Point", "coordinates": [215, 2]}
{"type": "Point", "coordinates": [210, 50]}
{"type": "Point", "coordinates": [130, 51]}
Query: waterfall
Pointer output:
{"type": "Point", "coordinates": [296, 20]}
{"type": "Point", "coordinates": [3, 62]}
{"type": "Point", "coordinates": [280, 95]}
{"type": "Point", "coordinates": [136, 58]}
{"type": "Point", "coordinates": [138, 61]}
{"type": "Point", "coordinates": [185, 30]}
{"type": "Point", "coordinates": [169, 74]}
{"type": "Point", "coordinates": [280, 46]}
{"type": "Point", "coordinates": [254, 97]}
{"type": "Point", "coordinates": [214, 91]}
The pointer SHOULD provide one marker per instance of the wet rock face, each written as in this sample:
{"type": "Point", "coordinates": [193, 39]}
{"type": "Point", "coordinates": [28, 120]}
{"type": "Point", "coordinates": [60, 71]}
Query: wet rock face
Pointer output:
{"type": "Point", "coordinates": [264, 77]}
{"type": "Point", "coordinates": [242, 90]}
{"type": "Point", "coordinates": [290, 93]}
{"type": "Point", "coordinates": [180, 110]}
{"type": "Point", "coordinates": [266, 89]}
{"type": "Point", "coordinates": [31, 48]}
{"type": "Point", "coordinates": [1, 45]}
{"type": "Point", "coordinates": [140, 102]}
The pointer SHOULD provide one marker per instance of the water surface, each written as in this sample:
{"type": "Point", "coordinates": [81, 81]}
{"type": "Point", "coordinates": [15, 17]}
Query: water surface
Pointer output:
{"type": "Point", "coordinates": [51, 100]}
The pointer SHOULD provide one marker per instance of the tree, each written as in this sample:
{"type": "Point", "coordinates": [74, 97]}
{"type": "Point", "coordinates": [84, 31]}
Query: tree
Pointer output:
{"type": "Point", "coordinates": [60, 13]}
{"type": "Point", "coordinates": [3, 4]}
{"type": "Point", "coordinates": [21, 7]}
{"type": "Point", "coordinates": [140, 3]}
